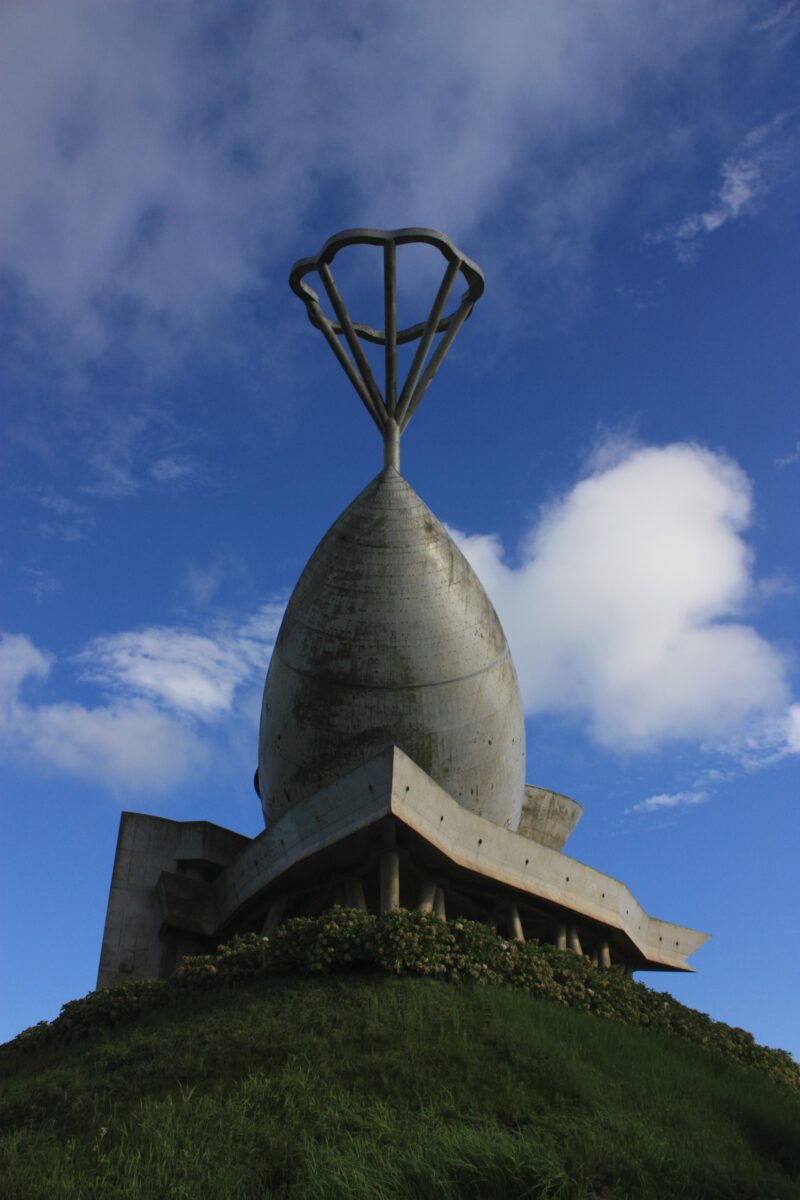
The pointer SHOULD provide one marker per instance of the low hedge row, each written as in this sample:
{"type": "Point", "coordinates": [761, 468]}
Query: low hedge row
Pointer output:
{"type": "Point", "coordinates": [405, 942]}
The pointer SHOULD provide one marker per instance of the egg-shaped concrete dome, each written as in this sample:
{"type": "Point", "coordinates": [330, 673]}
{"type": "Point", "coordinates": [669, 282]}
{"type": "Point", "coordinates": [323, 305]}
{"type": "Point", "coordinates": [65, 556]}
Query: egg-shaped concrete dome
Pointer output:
{"type": "Point", "coordinates": [390, 639]}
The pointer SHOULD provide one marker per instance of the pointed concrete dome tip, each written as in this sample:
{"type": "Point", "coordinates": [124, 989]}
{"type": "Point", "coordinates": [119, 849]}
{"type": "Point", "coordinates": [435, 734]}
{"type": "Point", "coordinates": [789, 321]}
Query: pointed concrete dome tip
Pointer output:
{"type": "Point", "coordinates": [390, 639]}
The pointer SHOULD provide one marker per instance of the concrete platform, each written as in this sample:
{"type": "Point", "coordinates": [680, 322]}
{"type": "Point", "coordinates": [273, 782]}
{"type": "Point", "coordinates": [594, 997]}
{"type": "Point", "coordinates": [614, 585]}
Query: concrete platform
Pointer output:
{"type": "Point", "coordinates": [181, 887]}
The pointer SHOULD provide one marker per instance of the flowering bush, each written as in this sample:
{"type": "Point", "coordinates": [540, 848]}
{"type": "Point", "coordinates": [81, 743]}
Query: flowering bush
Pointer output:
{"type": "Point", "coordinates": [405, 942]}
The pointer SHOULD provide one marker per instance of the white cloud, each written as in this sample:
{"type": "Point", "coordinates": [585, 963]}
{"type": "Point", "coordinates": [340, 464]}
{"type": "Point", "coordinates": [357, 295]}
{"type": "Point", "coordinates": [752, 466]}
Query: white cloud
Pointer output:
{"type": "Point", "coordinates": [745, 179]}
{"type": "Point", "coordinates": [194, 674]}
{"type": "Point", "coordinates": [175, 469]}
{"type": "Point", "coordinates": [67, 521]}
{"type": "Point", "coordinates": [41, 584]}
{"type": "Point", "coordinates": [775, 739]}
{"type": "Point", "coordinates": [126, 746]}
{"type": "Point", "coordinates": [160, 157]}
{"type": "Point", "coordinates": [788, 460]}
{"type": "Point", "coordinates": [156, 685]}
{"type": "Point", "coordinates": [785, 20]}
{"type": "Point", "coordinates": [202, 582]}
{"type": "Point", "coordinates": [622, 610]}
{"type": "Point", "coordinates": [670, 800]}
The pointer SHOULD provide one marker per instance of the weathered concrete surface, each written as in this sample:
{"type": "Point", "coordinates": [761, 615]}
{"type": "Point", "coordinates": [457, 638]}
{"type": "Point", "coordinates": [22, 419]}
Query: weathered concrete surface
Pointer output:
{"type": "Point", "coordinates": [391, 784]}
{"type": "Point", "coordinates": [162, 874]}
{"type": "Point", "coordinates": [390, 639]}
{"type": "Point", "coordinates": [548, 817]}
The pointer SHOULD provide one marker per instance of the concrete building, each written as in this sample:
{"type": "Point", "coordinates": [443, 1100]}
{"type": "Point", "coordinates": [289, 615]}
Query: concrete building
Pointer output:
{"type": "Point", "coordinates": [391, 763]}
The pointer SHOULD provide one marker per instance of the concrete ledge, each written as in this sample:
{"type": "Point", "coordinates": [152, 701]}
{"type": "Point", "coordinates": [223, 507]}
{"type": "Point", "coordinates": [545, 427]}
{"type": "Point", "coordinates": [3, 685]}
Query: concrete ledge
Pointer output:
{"type": "Point", "coordinates": [391, 784]}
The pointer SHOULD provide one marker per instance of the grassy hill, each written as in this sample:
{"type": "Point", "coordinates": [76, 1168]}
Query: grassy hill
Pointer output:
{"type": "Point", "coordinates": [363, 1084]}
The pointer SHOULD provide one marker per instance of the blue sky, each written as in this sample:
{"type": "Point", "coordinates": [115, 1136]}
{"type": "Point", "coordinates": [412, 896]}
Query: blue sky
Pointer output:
{"type": "Point", "coordinates": [614, 438]}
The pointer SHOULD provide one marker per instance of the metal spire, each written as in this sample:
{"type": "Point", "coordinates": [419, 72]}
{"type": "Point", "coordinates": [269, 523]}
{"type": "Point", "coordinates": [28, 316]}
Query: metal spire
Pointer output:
{"type": "Point", "coordinates": [390, 412]}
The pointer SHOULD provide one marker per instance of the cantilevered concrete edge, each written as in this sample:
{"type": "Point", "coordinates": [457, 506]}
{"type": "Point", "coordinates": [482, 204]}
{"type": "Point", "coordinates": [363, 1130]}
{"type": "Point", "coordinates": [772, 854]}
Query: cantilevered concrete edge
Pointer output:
{"type": "Point", "coordinates": [391, 784]}
{"type": "Point", "coordinates": [196, 882]}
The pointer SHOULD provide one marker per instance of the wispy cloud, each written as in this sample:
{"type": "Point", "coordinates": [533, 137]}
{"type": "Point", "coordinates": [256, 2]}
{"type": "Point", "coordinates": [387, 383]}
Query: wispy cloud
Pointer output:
{"type": "Point", "coordinates": [201, 583]}
{"type": "Point", "coordinates": [67, 521]}
{"type": "Point", "coordinates": [664, 800]}
{"type": "Point", "coordinates": [166, 162]}
{"type": "Point", "coordinates": [746, 177]}
{"type": "Point", "coordinates": [127, 747]}
{"type": "Point", "coordinates": [624, 608]}
{"type": "Point", "coordinates": [187, 672]}
{"type": "Point", "coordinates": [783, 21]}
{"type": "Point", "coordinates": [41, 584]}
{"type": "Point", "coordinates": [157, 687]}
{"type": "Point", "coordinates": [789, 460]}
{"type": "Point", "coordinates": [164, 157]}
{"type": "Point", "coordinates": [176, 469]}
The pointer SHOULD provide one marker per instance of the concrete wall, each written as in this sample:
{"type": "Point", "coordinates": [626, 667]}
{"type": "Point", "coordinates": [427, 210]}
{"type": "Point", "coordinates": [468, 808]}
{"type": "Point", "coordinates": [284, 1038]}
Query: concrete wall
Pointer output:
{"type": "Point", "coordinates": [160, 904]}
{"type": "Point", "coordinates": [548, 817]}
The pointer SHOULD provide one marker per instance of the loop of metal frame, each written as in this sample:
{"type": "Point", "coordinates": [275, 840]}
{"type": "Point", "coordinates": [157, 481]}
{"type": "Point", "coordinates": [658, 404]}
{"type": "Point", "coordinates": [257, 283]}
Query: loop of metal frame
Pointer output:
{"type": "Point", "coordinates": [389, 410]}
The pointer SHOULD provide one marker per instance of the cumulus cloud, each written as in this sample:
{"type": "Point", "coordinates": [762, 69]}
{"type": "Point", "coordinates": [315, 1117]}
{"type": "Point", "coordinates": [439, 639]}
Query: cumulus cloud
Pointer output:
{"type": "Point", "coordinates": [745, 179]}
{"type": "Point", "coordinates": [125, 746]}
{"type": "Point", "coordinates": [624, 607]}
{"type": "Point", "coordinates": [158, 687]}
{"type": "Point", "coordinates": [194, 674]}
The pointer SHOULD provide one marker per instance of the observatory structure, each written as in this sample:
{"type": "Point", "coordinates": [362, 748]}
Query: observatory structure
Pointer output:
{"type": "Point", "coordinates": [391, 762]}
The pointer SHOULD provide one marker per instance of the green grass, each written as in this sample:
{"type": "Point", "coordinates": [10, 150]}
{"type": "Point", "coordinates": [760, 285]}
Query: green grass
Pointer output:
{"type": "Point", "coordinates": [365, 1085]}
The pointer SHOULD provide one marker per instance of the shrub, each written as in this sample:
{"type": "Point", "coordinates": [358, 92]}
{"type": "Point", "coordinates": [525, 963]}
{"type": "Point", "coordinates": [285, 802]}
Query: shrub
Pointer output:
{"type": "Point", "coordinates": [405, 942]}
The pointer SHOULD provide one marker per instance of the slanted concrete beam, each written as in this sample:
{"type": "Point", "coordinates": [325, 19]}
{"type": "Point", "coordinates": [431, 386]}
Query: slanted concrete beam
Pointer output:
{"type": "Point", "coordinates": [515, 924]}
{"type": "Point", "coordinates": [390, 880]}
{"type": "Point", "coordinates": [561, 936]}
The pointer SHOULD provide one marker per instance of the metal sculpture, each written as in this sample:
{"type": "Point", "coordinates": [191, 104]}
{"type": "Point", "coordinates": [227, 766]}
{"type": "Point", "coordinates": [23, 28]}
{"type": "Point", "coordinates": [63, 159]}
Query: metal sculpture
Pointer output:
{"type": "Point", "coordinates": [390, 412]}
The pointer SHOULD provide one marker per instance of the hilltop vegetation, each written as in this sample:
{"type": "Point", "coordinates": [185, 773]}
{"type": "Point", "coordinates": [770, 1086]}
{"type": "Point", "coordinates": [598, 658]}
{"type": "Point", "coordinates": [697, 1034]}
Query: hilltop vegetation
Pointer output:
{"type": "Point", "coordinates": [294, 1069]}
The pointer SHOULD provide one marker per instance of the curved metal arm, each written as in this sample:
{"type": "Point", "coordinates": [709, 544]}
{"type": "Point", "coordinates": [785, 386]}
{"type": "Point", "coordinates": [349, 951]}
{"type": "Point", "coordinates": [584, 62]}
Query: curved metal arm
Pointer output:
{"type": "Point", "coordinates": [389, 412]}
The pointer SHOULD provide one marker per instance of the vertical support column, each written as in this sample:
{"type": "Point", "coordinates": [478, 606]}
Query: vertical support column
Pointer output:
{"type": "Point", "coordinates": [561, 936]}
{"type": "Point", "coordinates": [574, 941]}
{"type": "Point", "coordinates": [629, 969]}
{"type": "Point", "coordinates": [515, 924]}
{"type": "Point", "coordinates": [390, 880]}
{"type": "Point", "coordinates": [339, 895]}
{"type": "Point", "coordinates": [274, 917]}
{"type": "Point", "coordinates": [354, 893]}
{"type": "Point", "coordinates": [427, 896]}
{"type": "Point", "coordinates": [605, 955]}
{"type": "Point", "coordinates": [439, 906]}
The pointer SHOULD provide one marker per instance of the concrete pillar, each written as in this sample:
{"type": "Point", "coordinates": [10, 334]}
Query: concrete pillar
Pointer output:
{"type": "Point", "coordinates": [390, 880]}
{"type": "Point", "coordinates": [629, 969]}
{"type": "Point", "coordinates": [338, 895]}
{"type": "Point", "coordinates": [605, 955]}
{"type": "Point", "coordinates": [274, 917]}
{"type": "Point", "coordinates": [561, 936]}
{"type": "Point", "coordinates": [574, 941]}
{"type": "Point", "coordinates": [594, 958]}
{"type": "Point", "coordinates": [438, 905]}
{"type": "Point", "coordinates": [354, 893]}
{"type": "Point", "coordinates": [427, 896]}
{"type": "Point", "coordinates": [515, 924]}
